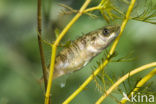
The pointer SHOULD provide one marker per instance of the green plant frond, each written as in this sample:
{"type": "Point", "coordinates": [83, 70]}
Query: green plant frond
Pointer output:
{"type": "Point", "coordinates": [146, 88]}
{"type": "Point", "coordinates": [126, 58]}
{"type": "Point", "coordinates": [120, 90]}
{"type": "Point", "coordinates": [129, 81]}
{"type": "Point", "coordinates": [103, 2]}
{"type": "Point", "coordinates": [148, 14]}
{"type": "Point", "coordinates": [110, 11]}
{"type": "Point", "coordinates": [126, 2]}
{"type": "Point", "coordinates": [102, 76]}
{"type": "Point", "coordinates": [115, 99]}
{"type": "Point", "coordinates": [125, 87]}
{"type": "Point", "coordinates": [98, 62]}
{"type": "Point", "coordinates": [129, 87]}
{"type": "Point", "coordinates": [66, 44]}
{"type": "Point", "coordinates": [123, 60]}
{"type": "Point", "coordinates": [66, 6]}
{"type": "Point", "coordinates": [109, 78]}
{"type": "Point", "coordinates": [103, 80]}
{"type": "Point", "coordinates": [44, 41]}
{"type": "Point", "coordinates": [57, 32]}
{"type": "Point", "coordinates": [92, 15]}
{"type": "Point", "coordinates": [63, 12]}
{"type": "Point", "coordinates": [134, 86]}
{"type": "Point", "coordinates": [70, 10]}
{"type": "Point", "coordinates": [105, 10]}
{"type": "Point", "coordinates": [100, 79]}
{"type": "Point", "coordinates": [118, 11]}
{"type": "Point", "coordinates": [98, 85]}
{"type": "Point", "coordinates": [112, 55]}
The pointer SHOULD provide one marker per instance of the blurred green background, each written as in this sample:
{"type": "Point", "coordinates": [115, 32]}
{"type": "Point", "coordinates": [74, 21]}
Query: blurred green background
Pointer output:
{"type": "Point", "coordinates": [20, 66]}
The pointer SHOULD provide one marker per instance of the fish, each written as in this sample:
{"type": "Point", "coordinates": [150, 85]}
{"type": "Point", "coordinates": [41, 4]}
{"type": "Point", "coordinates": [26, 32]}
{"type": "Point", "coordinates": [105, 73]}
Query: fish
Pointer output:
{"type": "Point", "coordinates": [80, 51]}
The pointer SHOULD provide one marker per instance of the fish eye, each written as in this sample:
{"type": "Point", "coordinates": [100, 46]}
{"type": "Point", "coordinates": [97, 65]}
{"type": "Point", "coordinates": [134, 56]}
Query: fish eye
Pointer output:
{"type": "Point", "coordinates": [106, 31]}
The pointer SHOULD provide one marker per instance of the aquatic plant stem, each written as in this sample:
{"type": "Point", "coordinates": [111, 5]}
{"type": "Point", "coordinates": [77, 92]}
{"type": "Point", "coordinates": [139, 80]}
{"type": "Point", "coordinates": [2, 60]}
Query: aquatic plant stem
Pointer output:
{"type": "Point", "coordinates": [90, 78]}
{"type": "Point", "coordinates": [53, 54]}
{"type": "Point", "coordinates": [92, 9]}
{"type": "Point", "coordinates": [39, 29]}
{"type": "Point", "coordinates": [140, 84]}
{"type": "Point", "coordinates": [117, 83]}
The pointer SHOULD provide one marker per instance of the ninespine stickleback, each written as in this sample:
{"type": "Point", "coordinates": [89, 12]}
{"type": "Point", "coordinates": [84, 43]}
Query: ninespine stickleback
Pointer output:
{"type": "Point", "coordinates": [83, 49]}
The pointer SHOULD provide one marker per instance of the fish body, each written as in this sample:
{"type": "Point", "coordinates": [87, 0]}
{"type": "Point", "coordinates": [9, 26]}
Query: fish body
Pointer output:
{"type": "Point", "coordinates": [83, 49]}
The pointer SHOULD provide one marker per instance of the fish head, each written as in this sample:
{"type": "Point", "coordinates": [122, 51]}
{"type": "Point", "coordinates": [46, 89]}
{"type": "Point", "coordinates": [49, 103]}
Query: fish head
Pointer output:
{"type": "Point", "coordinates": [107, 34]}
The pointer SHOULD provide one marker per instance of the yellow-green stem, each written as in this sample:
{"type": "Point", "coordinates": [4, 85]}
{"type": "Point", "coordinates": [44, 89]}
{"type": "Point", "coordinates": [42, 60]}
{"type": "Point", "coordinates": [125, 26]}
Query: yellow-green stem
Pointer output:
{"type": "Point", "coordinates": [140, 84]}
{"type": "Point", "coordinates": [47, 96]}
{"type": "Point", "coordinates": [123, 25]}
{"type": "Point", "coordinates": [92, 9]}
{"type": "Point", "coordinates": [117, 83]}
{"type": "Point", "coordinates": [54, 46]}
